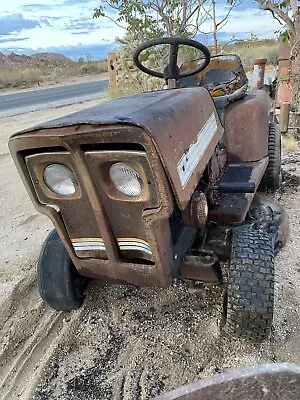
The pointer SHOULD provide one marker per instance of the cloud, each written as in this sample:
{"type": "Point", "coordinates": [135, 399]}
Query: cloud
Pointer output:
{"type": "Point", "coordinates": [45, 21]}
{"type": "Point", "coordinates": [80, 32]}
{"type": "Point", "coordinates": [13, 23]}
{"type": "Point", "coordinates": [13, 40]}
{"type": "Point", "coordinates": [37, 7]}
{"type": "Point", "coordinates": [73, 2]}
{"type": "Point", "coordinates": [86, 24]}
{"type": "Point", "coordinates": [83, 23]}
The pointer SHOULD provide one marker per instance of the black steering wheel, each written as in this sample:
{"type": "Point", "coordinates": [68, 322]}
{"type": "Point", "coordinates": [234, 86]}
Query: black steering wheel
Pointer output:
{"type": "Point", "coordinates": [171, 70]}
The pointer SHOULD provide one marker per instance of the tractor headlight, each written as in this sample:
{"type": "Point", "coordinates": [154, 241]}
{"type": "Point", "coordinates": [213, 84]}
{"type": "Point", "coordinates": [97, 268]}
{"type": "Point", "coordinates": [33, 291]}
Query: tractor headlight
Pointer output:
{"type": "Point", "coordinates": [126, 179]}
{"type": "Point", "coordinates": [60, 179]}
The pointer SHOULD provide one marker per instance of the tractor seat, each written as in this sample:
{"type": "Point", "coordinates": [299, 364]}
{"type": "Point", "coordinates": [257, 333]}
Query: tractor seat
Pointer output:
{"type": "Point", "coordinates": [223, 77]}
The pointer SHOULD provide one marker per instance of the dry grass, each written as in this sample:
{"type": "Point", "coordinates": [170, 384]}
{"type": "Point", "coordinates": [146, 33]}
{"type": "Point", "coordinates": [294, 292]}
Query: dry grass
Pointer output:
{"type": "Point", "coordinates": [20, 78]}
{"type": "Point", "coordinates": [28, 75]}
{"type": "Point", "coordinates": [249, 50]}
{"type": "Point", "coordinates": [289, 143]}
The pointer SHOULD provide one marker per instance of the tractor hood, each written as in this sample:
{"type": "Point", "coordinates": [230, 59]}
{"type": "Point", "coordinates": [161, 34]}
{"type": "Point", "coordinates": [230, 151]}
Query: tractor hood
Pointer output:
{"type": "Point", "coordinates": [183, 125]}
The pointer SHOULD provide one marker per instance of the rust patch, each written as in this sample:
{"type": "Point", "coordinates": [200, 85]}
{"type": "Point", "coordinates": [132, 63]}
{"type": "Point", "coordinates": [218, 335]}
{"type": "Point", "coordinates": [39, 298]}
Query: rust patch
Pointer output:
{"type": "Point", "coordinates": [200, 268]}
{"type": "Point", "coordinates": [247, 128]}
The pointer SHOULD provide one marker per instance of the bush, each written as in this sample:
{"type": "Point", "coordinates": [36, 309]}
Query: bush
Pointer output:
{"type": "Point", "coordinates": [93, 67]}
{"type": "Point", "coordinates": [130, 79]}
{"type": "Point", "coordinates": [13, 78]}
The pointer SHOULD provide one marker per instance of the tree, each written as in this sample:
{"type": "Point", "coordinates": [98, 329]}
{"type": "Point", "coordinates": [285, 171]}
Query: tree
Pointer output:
{"type": "Point", "coordinates": [209, 10]}
{"type": "Point", "coordinates": [153, 18]}
{"type": "Point", "coordinates": [287, 12]}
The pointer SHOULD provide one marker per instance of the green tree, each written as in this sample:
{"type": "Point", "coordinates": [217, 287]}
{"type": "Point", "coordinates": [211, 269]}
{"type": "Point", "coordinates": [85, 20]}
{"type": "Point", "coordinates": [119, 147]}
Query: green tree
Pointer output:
{"type": "Point", "coordinates": [153, 18]}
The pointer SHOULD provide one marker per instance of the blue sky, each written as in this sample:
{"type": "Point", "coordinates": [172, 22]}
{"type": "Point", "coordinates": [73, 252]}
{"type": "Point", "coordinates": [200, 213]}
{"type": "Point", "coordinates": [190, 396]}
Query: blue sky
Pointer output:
{"type": "Point", "coordinates": [67, 26]}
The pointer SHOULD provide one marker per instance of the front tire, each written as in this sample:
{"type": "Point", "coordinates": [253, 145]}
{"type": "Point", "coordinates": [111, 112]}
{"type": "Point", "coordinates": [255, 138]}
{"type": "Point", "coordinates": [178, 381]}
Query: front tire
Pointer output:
{"type": "Point", "coordinates": [249, 302]}
{"type": "Point", "coordinates": [59, 283]}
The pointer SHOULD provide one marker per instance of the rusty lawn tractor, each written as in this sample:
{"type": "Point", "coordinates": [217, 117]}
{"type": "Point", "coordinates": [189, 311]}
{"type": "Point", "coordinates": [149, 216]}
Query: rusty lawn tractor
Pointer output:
{"type": "Point", "coordinates": [160, 185]}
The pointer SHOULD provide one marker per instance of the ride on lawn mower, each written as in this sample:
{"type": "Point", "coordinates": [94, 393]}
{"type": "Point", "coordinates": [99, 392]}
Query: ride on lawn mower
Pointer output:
{"type": "Point", "coordinates": [160, 185]}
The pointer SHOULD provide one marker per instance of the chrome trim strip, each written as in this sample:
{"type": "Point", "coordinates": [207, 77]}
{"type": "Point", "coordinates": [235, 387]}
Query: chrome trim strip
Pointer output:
{"type": "Point", "coordinates": [134, 246]}
{"type": "Point", "coordinates": [83, 244]}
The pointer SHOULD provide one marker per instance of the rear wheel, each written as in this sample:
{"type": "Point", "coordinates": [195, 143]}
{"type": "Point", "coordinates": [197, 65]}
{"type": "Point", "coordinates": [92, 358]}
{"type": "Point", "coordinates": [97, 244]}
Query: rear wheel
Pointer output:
{"type": "Point", "coordinates": [59, 283]}
{"type": "Point", "coordinates": [249, 302]}
{"type": "Point", "coordinates": [272, 177]}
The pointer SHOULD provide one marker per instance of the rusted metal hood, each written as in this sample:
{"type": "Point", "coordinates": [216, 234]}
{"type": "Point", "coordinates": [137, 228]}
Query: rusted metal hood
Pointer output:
{"type": "Point", "coordinates": [182, 123]}
{"type": "Point", "coordinates": [144, 109]}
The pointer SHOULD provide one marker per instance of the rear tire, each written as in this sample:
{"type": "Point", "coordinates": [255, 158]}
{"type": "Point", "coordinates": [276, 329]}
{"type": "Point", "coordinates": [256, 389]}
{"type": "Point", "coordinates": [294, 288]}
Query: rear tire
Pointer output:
{"type": "Point", "coordinates": [59, 283]}
{"type": "Point", "coordinates": [272, 178]}
{"type": "Point", "coordinates": [249, 302]}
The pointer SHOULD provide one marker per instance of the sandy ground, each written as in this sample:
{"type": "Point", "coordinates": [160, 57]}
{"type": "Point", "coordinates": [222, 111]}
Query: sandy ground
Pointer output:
{"type": "Point", "coordinates": [125, 343]}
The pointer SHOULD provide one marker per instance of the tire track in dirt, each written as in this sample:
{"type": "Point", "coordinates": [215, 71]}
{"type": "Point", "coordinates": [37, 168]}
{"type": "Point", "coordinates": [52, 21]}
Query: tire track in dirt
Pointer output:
{"type": "Point", "coordinates": [30, 336]}
{"type": "Point", "coordinates": [133, 342]}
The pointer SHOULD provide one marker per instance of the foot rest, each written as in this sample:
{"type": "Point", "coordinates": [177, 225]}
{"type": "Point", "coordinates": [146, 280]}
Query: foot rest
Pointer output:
{"type": "Point", "coordinates": [232, 206]}
{"type": "Point", "coordinates": [237, 179]}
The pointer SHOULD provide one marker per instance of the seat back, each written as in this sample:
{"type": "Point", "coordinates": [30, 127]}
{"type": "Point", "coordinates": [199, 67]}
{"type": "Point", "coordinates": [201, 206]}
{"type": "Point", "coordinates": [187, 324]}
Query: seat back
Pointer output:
{"type": "Point", "coordinates": [223, 76]}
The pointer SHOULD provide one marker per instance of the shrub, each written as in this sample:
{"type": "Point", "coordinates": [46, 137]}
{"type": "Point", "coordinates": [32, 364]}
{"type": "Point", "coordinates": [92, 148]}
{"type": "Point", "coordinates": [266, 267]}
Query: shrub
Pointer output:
{"type": "Point", "coordinates": [15, 78]}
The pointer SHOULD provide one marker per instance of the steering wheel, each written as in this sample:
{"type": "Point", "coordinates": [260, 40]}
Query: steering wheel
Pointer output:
{"type": "Point", "coordinates": [171, 70]}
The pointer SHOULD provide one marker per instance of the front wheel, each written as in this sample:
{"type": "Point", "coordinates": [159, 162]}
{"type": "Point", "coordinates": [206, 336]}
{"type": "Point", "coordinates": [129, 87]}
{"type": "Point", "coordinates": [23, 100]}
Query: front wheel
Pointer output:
{"type": "Point", "coordinates": [249, 302]}
{"type": "Point", "coordinates": [59, 283]}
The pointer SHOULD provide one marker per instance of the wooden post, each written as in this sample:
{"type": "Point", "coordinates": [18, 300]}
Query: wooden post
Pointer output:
{"type": "Point", "coordinates": [284, 76]}
{"type": "Point", "coordinates": [284, 117]}
{"type": "Point", "coordinates": [112, 71]}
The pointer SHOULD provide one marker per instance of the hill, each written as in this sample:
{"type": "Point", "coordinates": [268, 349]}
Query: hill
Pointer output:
{"type": "Point", "coordinates": [17, 71]}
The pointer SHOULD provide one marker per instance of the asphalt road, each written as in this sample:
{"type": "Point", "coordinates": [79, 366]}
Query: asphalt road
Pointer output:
{"type": "Point", "coordinates": [21, 102]}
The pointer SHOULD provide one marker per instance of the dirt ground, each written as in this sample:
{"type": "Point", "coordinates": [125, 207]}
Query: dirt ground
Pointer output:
{"type": "Point", "coordinates": [125, 343]}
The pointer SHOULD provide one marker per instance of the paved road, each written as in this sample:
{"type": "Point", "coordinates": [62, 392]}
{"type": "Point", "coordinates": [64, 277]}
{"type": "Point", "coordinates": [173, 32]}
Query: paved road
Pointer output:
{"type": "Point", "coordinates": [18, 103]}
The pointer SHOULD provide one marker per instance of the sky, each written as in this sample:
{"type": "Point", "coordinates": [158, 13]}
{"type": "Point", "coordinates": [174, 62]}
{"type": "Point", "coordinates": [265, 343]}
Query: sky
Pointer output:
{"type": "Point", "coordinates": [67, 26]}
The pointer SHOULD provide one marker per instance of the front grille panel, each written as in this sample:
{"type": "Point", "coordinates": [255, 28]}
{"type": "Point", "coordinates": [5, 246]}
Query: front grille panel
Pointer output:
{"type": "Point", "coordinates": [90, 215]}
{"type": "Point", "coordinates": [98, 216]}
{"type": "Point", "coordinates": [124, 213]}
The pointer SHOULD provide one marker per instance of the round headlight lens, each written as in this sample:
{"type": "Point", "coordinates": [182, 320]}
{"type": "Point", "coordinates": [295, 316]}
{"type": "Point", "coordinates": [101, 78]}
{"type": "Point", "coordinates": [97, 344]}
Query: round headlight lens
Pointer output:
{"type": "Point", "coordinates": [126, 179]}
{"type": "Point", "coordinates": [60, 179]}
